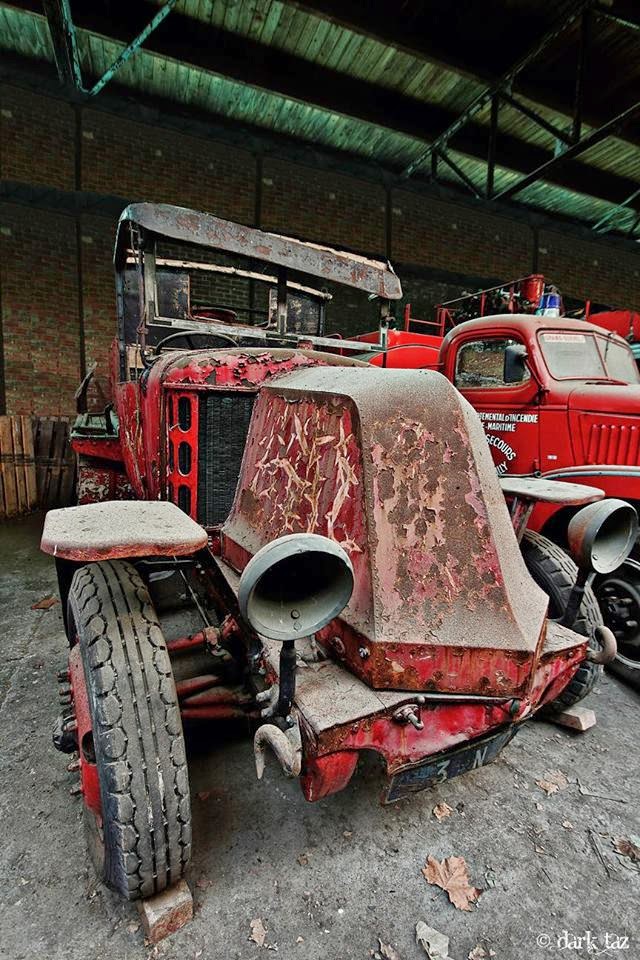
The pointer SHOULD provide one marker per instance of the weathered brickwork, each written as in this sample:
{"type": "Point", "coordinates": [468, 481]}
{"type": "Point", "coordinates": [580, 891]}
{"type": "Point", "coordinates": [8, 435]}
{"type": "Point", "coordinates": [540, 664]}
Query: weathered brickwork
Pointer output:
{"type": "Point", "coordinates": [438, 247]}
{"type": "Point", "coordinates": [39, 296]}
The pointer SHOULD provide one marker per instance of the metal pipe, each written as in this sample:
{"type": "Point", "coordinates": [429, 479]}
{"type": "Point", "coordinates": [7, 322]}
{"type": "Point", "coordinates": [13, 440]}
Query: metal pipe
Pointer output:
{"type": "Point", "coordinates": [209, 636]}
{"type": "Point", "coordinates": [583, 50]}
{"type": "Point", "coordinates": [610, 128]}
{"type": "Point", "coordinates": [493, 139]}
{"type": "Point", "coordinates": [186, 688]}
{"type": "Point", "coordinates": [504, 82]}
{"type": "Point", "coordinates": [575, 598]}
{"type": "Point", "coordinates": [131, 48]}
{"type": "Point", "coordinates": [287, 678]}
{"type": "Point", "coordinates": [214, 696]}
{"type": "Point", "coordinates": [221, 712]}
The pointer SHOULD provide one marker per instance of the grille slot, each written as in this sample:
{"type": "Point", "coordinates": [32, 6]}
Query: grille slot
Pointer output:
{"type": "Point", "coordinates": [223, 424]}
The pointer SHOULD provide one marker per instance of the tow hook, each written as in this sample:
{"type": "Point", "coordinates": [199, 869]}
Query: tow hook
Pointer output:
{"type": "Point", "coordinates": [607, 648]}
{"type": "Point", "coordinates": [286, 744]}
{"type": "Point", "coordinates": [409, 713]}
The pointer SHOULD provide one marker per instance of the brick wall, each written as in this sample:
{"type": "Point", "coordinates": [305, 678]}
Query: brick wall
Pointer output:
{"type": "Point", "coordinates": [438, 247]}
{"type": "Point", "coordinates": [39, 296]}
{"type": "Point", "coordinates": [98, 299]}
{"type": "Point", "coordinates": [322, 206]}
{"type": "Point", "coordinates": [36, 139]}
{"type": "Point", "coordinates": [599, 270]}
{"type": "Point", "coordinates": [458, 239]}
{"type": "Point", "coordinates": [141, 162]}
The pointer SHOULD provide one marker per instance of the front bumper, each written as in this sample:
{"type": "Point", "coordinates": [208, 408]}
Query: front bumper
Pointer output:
{"type": "Point", "coordinates": [340, 715]}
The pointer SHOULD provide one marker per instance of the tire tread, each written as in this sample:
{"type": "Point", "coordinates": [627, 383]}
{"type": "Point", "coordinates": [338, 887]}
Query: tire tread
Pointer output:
{"type": "Point", "coordinates": [137, 730]}
{"type": "Point", "coordinates": [546, 561]}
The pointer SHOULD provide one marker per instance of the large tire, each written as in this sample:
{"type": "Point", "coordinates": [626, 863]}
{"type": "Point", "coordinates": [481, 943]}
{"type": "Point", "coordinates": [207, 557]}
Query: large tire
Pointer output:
{"type": "Point", "coordinates": [142, 842]}
{"type": "Point", "coordinates": [619, 597]}
{"type": "Point", "coordinates": [555, 572]}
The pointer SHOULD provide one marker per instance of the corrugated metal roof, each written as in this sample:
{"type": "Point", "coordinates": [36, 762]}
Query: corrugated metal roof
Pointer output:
{"type": "Point", "coordinates": [286, 27]}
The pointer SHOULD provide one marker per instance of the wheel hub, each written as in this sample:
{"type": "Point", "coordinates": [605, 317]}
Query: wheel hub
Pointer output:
{"type": "Point", "coordinates": [619, 601]}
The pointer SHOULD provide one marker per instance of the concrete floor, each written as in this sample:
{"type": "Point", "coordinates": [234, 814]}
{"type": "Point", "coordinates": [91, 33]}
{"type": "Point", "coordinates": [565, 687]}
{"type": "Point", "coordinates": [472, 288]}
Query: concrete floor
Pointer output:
{"type": "Point", "coordinates": [337, 874]}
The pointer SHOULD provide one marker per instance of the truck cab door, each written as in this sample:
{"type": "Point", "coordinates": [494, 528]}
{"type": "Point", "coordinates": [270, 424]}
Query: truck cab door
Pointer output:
{"type": "Point", "coordinates": [492, 373]}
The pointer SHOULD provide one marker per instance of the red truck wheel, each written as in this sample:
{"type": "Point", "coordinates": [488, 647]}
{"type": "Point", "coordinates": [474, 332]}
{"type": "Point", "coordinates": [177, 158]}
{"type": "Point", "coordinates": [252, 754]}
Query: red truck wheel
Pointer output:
{"type": "Point", "coordinates": [139, 829]}
{"type": "Point", "coordinates": [555, 572]}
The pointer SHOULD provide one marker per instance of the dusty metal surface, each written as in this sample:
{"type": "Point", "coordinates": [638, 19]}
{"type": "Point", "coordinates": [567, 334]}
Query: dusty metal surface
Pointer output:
{"type": "Point", "coordinates": [549, 491]}
{"type": "Point", "coordinates": [191, 226]}
{"type": "Point", "coordinates": [393, 466]}
{"type": "Point", "coordinates": [120, 529]}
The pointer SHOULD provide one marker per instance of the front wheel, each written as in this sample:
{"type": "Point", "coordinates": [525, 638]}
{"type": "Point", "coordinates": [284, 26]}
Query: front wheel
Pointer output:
{"type": "Point", "coordinates": [132, 754]}
{"type": "Point", "coordinates": [555, 572]}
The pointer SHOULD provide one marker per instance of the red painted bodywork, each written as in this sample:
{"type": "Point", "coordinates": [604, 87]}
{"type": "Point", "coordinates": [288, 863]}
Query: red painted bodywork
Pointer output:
{"type": "Point", "coordinates": [442, 602]}
{"type": "Point", "coordinates": [89, 781]}
{"type": "Point", "coordinates": [444, 621]}
{"type": "Point", "coordinates": [626, 323]}
{"type": "Point", "coordinates": [577, 430]}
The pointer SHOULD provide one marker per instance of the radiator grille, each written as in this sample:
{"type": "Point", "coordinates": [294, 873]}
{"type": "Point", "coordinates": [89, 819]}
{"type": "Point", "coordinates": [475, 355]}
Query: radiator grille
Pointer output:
{"type": "Point", "coordinates": [223, 423]}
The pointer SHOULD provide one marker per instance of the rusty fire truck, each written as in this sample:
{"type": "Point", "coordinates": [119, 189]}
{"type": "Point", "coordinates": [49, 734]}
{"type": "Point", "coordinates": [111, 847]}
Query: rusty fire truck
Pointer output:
{"type": "Point", "coordinates": [338, 532]}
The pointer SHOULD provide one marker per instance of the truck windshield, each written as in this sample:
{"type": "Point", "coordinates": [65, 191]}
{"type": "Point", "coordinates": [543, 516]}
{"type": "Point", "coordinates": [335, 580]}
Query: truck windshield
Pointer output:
{"type": "Point", "coordinates": [585, 356]}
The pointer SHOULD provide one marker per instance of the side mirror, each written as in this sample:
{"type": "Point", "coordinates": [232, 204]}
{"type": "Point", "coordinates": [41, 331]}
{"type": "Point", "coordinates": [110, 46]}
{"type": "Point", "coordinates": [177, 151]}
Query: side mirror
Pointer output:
{"type": "Point", "coordinates": [515, 363]}
{"type": "Point", "coordinates": [602, 535]}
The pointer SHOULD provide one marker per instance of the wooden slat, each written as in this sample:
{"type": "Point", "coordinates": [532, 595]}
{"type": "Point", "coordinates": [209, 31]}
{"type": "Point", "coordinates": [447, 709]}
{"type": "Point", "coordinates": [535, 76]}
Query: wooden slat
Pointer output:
{"type": "Point", "coordinates": [30, 463]}
{"type": "Point", "coordinates": [44, 437]}
{"type": "Point", "coordinates": [17, 467]}
{"type": "Point", "coordinates": [57, 456]}
{"type": "Point", "coordinates": [55, 462]}
{"type": "Point", "coordinates": [8, 468]}
{"type": "Point", "coordinates": [67, 485]}
{"type": "Point", "coordinates": [18, 452]}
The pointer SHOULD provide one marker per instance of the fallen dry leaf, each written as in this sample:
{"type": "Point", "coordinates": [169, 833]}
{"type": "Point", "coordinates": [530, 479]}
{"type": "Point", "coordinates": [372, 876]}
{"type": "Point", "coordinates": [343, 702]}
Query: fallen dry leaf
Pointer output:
{"type": "Point", "coordinates": [452, 874]}
{"type": "Point", "coordinates": [553, 782]}
{"type": "Point", "coordinates": [303, 859]}
{"type": "Point", "coordinates": [387, 951]}
{"type": "Point", "coordinates": [434, 943]}
{"type": "Point", "coordinates": [45, 604]}
{"type": "Point", "coordinates": [133, 927]}
{"type": "Point", "coordinates": [567, 824]}
{"type": "Point", "coordinates": [627, 848]}
{"type": "Point", "coordinates": [258, 932]}
{"type": "Point", "coordinates": [442, 810]}
{"type": "Point", "coordinates": [347, 834]}
{"type": "Point", "coordinates": [479, 953]}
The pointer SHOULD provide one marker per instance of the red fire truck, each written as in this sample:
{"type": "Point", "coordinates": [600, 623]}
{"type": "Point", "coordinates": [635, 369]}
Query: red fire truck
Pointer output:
{"type": "Point", "coordinates": [559, 398]}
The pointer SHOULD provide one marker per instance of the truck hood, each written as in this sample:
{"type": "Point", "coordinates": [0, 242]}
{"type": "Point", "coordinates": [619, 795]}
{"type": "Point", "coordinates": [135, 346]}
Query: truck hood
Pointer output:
{"type": "Point", "coordinates": [597, 397]}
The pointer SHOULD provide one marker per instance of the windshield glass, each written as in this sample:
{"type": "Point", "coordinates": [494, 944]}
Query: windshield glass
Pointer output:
{"type": "Point", "coordinates": [619, 360]}
{"type": "Point", "coordinates": [583, 356]}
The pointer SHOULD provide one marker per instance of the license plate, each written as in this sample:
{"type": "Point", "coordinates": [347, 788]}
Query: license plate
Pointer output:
{"type": "Point", "coordinates": [445, 766]}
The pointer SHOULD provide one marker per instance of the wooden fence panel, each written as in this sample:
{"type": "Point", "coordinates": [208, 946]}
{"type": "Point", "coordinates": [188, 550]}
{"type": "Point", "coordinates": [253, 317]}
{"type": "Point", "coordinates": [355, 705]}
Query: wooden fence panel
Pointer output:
{"type": "Point", "coordinates": [37, 465]}
{"type": "Point", "coordinates": [17, 467]}
{"type": "Point", "coordinates": [55, 462]}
